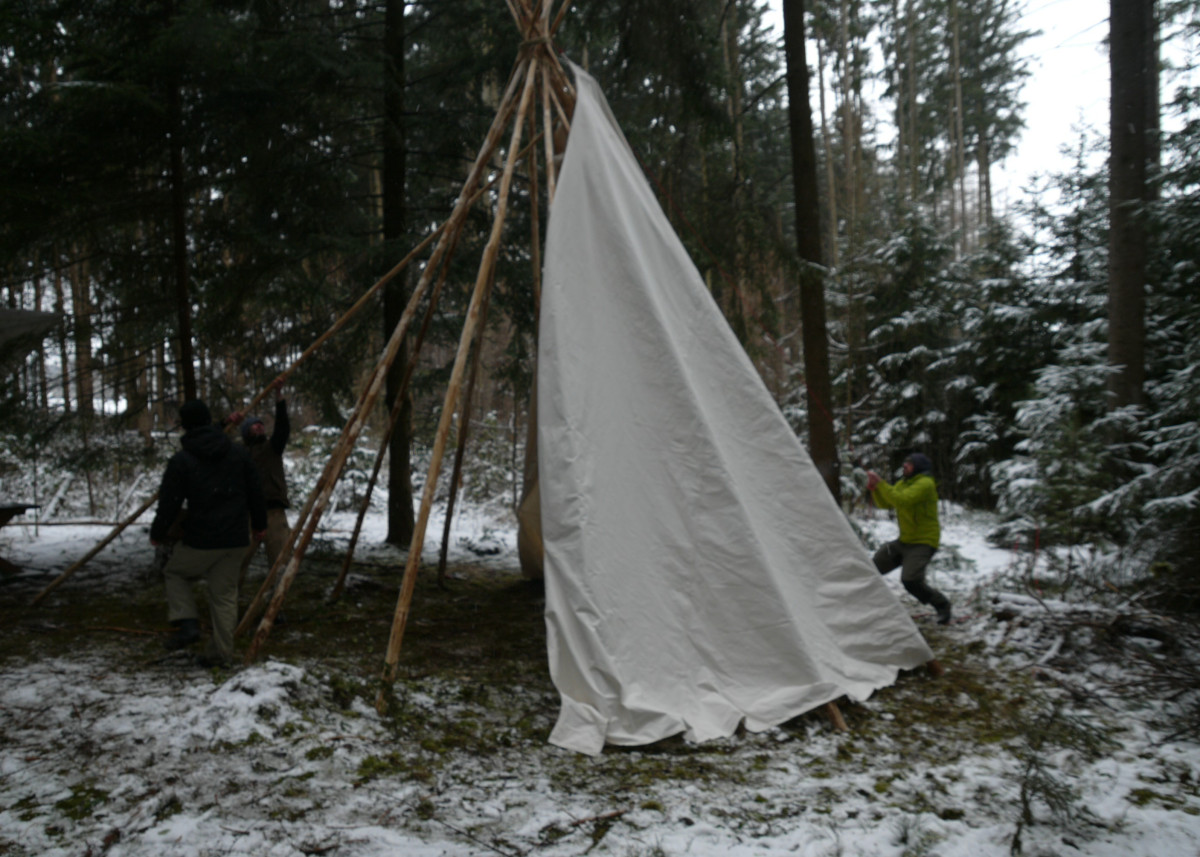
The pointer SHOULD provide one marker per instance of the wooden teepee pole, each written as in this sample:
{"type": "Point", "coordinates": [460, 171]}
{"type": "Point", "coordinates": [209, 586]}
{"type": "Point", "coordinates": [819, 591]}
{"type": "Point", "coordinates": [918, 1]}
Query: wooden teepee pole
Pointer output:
{"type": "Point", "coordinates": [389, 429]}
{"type": "Point", "coordinates": [558, 19]}
{"type": "Point", "coordinates": [464, 431]}
{"type": "Point", "coordinates": [80, 563]}
{"type": "Point", "coordinates": [324, 489]}
{"type": "Point", "coordinates": [483, 278]}
{"type": "Point", "coordinates": [442, 252]}
{"type": "Point", "coordinates": [308, 352]}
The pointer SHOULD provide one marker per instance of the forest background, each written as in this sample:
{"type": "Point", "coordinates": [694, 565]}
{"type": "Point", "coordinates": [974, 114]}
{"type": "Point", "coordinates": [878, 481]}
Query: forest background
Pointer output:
{"type": "Point", "coordinates": [200, 188]}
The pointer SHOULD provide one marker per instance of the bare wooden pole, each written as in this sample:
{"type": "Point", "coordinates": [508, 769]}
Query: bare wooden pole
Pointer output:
{"type": "Point", "coordinates": [483, 278]}
{"type": "Point", "coordinates": [99, 547]}
{"type": "Point", "coordinates": [512, 8]}
{"type": "Point", "coordinates": [464, 432]}
{"type": "Point", "coordinates": [558, 19]}
{"type": "Point", "coordinates": [333, 469]}
{"type": "Point", "coordinates": [548, 125]}
{"type": "Point", "coordinates": [444, 250]}
{"type": "Point", "coordinates": [835, 716]}
{"type": "Point", "coordinates": [393, 417]}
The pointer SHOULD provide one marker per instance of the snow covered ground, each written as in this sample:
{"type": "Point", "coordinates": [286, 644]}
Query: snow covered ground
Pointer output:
{"type": "Point", "coordinates": [99, 755]}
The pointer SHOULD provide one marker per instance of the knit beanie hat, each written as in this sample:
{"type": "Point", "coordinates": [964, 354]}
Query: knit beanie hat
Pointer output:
{"type": "Point", "coordinates": [252, 421]}
{"type": "Point", "coordinates": [920, 463]}
{"type": "Point", "coordinates": [194, 414]}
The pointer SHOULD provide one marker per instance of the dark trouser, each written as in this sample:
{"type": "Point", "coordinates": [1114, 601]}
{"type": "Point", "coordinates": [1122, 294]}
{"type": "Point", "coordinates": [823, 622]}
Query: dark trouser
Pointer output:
{"type": "Point", "coordinates": [912, 561]}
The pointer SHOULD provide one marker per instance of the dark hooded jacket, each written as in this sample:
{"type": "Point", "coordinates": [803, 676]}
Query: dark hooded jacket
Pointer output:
{"type": "Point", "coordinates": [220, 485]}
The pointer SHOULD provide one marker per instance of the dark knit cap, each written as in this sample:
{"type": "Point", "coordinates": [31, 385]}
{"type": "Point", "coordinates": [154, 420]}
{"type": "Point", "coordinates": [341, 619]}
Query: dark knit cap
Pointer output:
{"type": "Point", "coordinates": [920, 463]}
{"type": "Point", "coordinates": [253, 421]}
{"type": "Point", "coordinates": [194, 414]}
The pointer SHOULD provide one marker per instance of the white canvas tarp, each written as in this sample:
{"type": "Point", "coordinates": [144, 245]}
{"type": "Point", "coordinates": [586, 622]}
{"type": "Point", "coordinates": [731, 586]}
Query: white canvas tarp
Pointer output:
{"type": "Point", "coordinates": [698, 573]}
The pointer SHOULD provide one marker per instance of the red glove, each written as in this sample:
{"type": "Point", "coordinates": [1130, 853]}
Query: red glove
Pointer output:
{"type": "Point", "coordinates": [872, 480]}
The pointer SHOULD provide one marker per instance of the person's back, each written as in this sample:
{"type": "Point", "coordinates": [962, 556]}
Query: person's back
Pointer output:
{"type": "Point", "coordinates": [220, 486]}
{"type": "Point", "coordinates": [211, 474]}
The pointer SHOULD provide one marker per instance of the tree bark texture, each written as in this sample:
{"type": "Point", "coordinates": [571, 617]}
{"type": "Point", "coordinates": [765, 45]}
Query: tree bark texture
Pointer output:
{"type": "Point", "coordinates": [395, 294]}
{"type": "Point", "coordinates": [1131, 63]}
{"type": "Point", "coordinates": [822, 441]}
{"type": "Point", "coordinates": [183, 298]}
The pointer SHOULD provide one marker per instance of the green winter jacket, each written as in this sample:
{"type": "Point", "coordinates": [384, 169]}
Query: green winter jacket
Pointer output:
{"type": "Point", "coordinates": [916, 503]}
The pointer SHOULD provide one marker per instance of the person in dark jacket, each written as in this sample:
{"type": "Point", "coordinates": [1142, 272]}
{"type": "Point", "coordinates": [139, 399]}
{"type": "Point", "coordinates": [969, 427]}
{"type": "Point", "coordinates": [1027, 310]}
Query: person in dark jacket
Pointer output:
{"type": "Point", "coordinates": [267, 454]}
{"type": "Point", "coordinates": [915, 500]}
{"type": "Point", "coordinates": [220, 486]}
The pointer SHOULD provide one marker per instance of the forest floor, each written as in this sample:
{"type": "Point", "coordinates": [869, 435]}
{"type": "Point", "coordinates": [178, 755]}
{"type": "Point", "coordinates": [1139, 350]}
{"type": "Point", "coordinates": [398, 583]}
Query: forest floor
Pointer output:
{"type": "Point", "coordinates": [1059, 727]}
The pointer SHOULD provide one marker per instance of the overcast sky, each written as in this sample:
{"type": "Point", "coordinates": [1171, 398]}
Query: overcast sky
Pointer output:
{"type": "Point", "coordinates": [1068, 86]}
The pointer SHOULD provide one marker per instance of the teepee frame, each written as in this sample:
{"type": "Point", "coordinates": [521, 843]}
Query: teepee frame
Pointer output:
{"type": "Point", "coordinates": [538, 88]}
{"type": "Point", "coordinates": [537, 72]}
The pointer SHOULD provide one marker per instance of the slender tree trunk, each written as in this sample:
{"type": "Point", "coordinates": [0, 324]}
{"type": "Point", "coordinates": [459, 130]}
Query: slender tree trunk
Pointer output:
{"type": "Point", "coordinates": [400, 517]}
{"type": "Point", "coordinates": [161, 386]}
{"type": "Point", "coordinates": [179, 254]}
{"type": "Point", "coordinates": [985, 185]}
{"type": "Point", "coordinates": [1131, 63]}
{"type": "Point", "coordinates": [830, 173]}
{"type": "Point", "coordinates": [64, 352]}
{"type": "Point", "coordinates": [913, 146]}
{"type": "Point", "coordinates": [81, 305]}
{"type": "Point", "coordinates": [849, 137]}
{"type": "Point", "coordinates": [960, 146]}
{"type": "Point", "coordinates": [730, 55]}
{"type": "Point", "coordinates": [822, 442]}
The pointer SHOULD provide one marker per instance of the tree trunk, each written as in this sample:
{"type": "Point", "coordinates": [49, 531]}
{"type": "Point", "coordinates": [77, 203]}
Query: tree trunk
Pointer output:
{"type": "Point", "coordinates": [401, 522]}
{"type": "Point", "coordinates": [64, 356]}
{"type": "Point", "coordinates": [960, 146]}
{"type": "Point", "coordinates": [81, 306]}
{"type": "Point", "coordinates": [830, 173]}
{"type": "Point", "coordinates": [183, 299]}
{"type": "Point", "coordinates": [1131, 63]}
{"type": "Point", "coordinates": [913, 147]}
{"type": "Point", "coordinates": [849, 137]}
{"type": "Point", "coordinates": [822, 443]}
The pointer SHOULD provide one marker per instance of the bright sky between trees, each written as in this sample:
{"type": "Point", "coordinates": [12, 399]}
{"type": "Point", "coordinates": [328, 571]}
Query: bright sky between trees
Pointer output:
{"type": "Point", "coordinates": [1067, 89]}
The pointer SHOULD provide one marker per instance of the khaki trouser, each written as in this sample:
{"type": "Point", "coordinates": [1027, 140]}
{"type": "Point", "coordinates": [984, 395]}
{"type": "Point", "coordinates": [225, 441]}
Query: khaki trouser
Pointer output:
{"type": "Point", "coordinates": [277, 534]}
{"type": "Point", "coordinates": [219, 570]}
{"type": "Point", "coordinates": [276, 537]}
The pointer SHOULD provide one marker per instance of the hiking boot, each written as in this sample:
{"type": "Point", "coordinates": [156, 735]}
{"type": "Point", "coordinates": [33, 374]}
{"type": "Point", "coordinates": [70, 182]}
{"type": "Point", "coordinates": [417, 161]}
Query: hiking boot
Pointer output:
{"type": "Point", "coordinates": [943, 614]}
{"type": "Point", "coordinates": [187, 631]}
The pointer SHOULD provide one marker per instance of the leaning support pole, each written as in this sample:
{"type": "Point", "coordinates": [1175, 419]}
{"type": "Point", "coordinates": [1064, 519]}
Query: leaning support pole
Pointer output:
{"type": "Point", "coordinates": [308, 352]}
{"type": "Point", "coordinates": [482, 280]}
{"type": "Point", "coordinates": [464, 432]}
{"type": "Point", "coordinates": [290, 560]}
{"type": "Point", "coordinates": [385, 440]}
{"type": "Point", "coordinates": [301, 534]}
{"type": "Point", "coordinates": [80, 563]}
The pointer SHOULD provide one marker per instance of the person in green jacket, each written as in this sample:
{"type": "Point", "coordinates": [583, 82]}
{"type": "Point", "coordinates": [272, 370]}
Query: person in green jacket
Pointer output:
{"type": "Point", "coordinates": [915, 500]}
